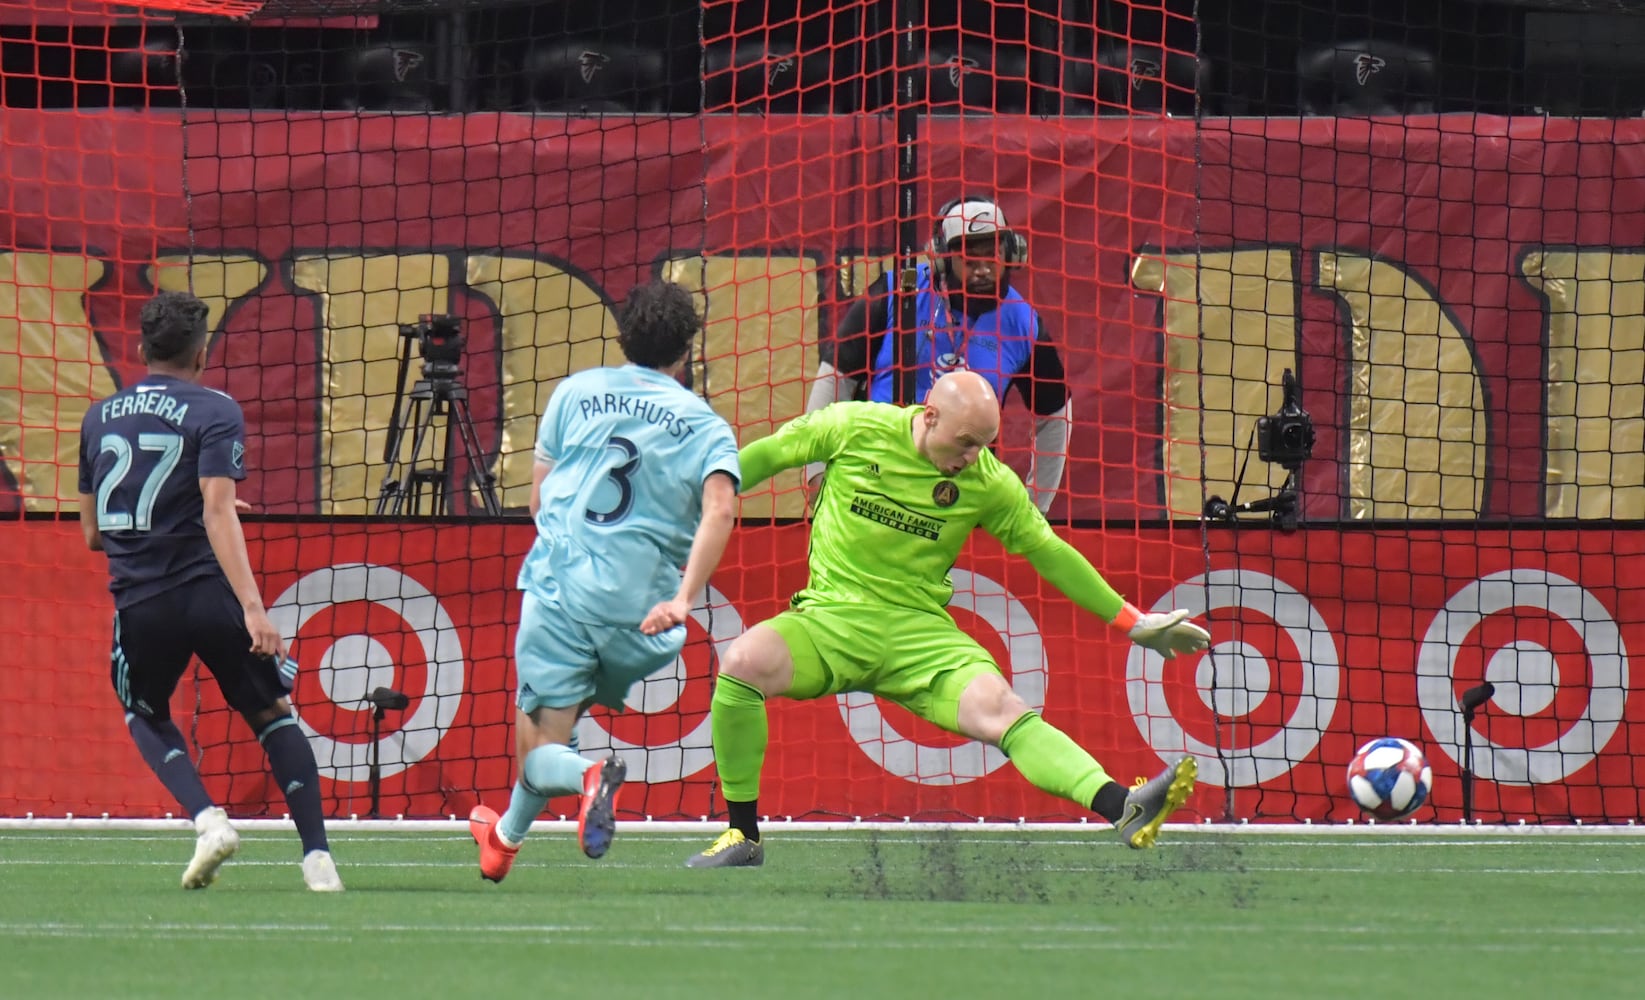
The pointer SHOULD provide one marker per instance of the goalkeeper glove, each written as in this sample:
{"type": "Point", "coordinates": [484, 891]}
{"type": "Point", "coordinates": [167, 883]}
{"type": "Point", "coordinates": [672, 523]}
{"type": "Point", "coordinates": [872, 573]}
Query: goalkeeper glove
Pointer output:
{"type": "Point", "coordinates": [1165, 632]}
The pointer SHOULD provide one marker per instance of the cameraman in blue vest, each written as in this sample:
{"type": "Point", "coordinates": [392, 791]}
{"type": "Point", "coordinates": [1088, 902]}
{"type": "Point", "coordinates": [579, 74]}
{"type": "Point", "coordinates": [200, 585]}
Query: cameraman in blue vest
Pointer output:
{"type": "Point", "coordinates": [967, 316]}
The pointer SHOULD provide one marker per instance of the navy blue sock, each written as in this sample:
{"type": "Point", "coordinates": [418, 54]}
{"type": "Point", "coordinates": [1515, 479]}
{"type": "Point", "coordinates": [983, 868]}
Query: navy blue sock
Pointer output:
{"type": "Point", "coordinates": [292, 762]}
{"type": "Point", "coordinates": [166, 753]}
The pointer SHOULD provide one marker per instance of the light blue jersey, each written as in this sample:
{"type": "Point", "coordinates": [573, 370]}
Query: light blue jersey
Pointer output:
{"type": "Point", "coordinates": [631, 448]}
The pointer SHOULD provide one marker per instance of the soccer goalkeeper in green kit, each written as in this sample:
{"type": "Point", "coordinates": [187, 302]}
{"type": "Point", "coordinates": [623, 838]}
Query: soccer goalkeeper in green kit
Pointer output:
{"type": "Point", "coordinates": [904, 487]}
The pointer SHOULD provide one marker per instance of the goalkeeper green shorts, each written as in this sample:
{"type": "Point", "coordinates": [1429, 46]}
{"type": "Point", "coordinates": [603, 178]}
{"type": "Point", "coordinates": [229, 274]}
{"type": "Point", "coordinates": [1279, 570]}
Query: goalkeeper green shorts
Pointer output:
{"type": "Point", "coordinates": [921, 661]}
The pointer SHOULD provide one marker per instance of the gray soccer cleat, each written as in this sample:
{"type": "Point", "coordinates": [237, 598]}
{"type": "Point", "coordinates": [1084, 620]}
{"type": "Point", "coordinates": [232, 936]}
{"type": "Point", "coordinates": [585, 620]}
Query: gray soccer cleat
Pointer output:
{"type": "Point", "coordinates": [1150, 803]}
{"type": "Point", "coordinates": [730, 850]}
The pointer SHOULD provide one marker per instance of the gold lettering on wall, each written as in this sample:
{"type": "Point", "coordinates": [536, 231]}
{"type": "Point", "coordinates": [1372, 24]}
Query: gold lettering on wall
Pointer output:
{"type": "Point", "coordinates": [760, 346]}
{"type": "Point", "coordinates": [553, 323]}
{"type": "Point", "coordinates": [51, 370]}
{"type": "Point", "coordinates": [1416, 434]}
{"type": "Point", "coordinates": [1594, 372]}
{"type": "Point", "coordinates": [1230, 331]}
{"type": "Point", "coordinates": [858, 274]}
{"type": "Point", "coordinates": [363, 300]}
{"type": "Point", "coordinates": [220, 280]}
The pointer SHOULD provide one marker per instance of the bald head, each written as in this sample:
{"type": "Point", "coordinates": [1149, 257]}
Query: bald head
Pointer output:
{"type": "Point", "coordinates": [965, 396]}
{"type": "Point", "coordinates": [962, 417]}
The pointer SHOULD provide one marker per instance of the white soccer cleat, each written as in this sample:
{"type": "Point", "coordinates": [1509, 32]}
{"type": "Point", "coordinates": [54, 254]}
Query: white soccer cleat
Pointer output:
{"type": "Point", "coordinates": [216, 843]}
{"type": "Point", "coordinates": [320, 872]}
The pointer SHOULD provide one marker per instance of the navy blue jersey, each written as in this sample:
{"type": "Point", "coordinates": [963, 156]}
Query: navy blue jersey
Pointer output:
{"type": "Point", "coordinates": [143, 452]}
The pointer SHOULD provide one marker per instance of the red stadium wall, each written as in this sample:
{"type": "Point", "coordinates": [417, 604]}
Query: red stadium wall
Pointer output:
{"type": "Point", "coordinates": [1339, 625]}
{"type": "Point", "coordinates": [1450, 213]}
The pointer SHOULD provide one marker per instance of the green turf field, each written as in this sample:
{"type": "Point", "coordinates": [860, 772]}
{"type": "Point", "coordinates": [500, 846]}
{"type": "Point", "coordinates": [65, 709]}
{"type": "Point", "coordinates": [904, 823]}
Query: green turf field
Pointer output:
{"type": "Point", "coordinates": [906, 914]}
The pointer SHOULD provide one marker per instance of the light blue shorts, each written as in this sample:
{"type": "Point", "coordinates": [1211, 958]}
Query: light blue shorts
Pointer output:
{"type": "Point", "coordinates": [560, 663]}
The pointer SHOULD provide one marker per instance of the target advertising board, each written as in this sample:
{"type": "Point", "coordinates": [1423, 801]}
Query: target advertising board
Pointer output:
{"type": "Point", "coordinates": [1321, 639]}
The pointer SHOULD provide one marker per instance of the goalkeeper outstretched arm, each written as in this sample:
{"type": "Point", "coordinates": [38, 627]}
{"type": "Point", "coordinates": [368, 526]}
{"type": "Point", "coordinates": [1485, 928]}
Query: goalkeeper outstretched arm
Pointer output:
{"type": "Point", "coordinates": [1166, 633]}
{"type": "Point", "coordinates": [1022, 529]}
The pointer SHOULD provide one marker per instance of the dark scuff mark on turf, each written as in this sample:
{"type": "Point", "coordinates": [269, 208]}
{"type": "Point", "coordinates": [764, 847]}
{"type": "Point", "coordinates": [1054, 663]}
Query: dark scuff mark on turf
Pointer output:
{"type": "Point", "coordinates": [944, 876]}
{"type": "Point", "coordinates": [869, 876]}
{"type": "Point", "coordinates": [1206, 855]}
{"type": "Point", "coordinates": [953, 865]}
{"type": "Point", "coordinates": [1012, 873]}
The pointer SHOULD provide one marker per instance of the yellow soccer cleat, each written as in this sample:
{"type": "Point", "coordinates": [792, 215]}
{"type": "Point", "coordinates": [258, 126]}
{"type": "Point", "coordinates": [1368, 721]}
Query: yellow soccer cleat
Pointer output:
{"type": "Point", "coordinates": [730, 850]}
{"type": "Point", "coordinates": [1149, 804]}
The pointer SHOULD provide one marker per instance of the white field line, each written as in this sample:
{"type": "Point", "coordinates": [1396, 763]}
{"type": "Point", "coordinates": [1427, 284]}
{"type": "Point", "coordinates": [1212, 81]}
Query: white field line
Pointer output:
{"type": "Point", "coordinates": [785, 827]}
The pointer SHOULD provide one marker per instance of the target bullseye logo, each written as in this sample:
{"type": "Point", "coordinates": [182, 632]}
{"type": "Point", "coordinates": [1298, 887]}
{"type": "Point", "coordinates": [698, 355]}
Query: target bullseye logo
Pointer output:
{"type": "Point", "coordinates": [660, 697]}
{"type": "Point", "coordinates": [1540, 639]}
{"type": "Point", "coordinates": [1235, 720]}
{"type": "Point", "coordinates": [383, 604]}
{"type": "Point", "coordinates": [956, 765]}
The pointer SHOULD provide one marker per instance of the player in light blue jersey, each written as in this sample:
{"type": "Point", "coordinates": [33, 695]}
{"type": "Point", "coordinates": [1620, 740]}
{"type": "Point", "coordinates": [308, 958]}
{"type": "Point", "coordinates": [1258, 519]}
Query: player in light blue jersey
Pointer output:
{"type": "Point", "coordinates": [634, 477]}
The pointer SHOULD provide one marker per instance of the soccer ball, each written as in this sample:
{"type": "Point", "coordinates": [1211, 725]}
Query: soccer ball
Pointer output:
{"type": "Point", "coordinates": [1389, 777]}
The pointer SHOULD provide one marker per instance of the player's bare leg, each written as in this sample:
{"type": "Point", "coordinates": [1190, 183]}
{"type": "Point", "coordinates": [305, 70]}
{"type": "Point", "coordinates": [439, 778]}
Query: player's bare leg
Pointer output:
{"type": "Point", "coordinates": [757, 666]}
{"type": "Point", "coordinates": [990, 711]}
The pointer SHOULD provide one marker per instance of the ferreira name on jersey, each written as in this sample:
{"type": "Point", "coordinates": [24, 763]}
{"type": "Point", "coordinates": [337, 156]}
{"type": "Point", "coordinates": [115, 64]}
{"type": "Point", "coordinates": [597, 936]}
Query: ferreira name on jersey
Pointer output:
{"type": "Point", "coordinates": [143, 452]}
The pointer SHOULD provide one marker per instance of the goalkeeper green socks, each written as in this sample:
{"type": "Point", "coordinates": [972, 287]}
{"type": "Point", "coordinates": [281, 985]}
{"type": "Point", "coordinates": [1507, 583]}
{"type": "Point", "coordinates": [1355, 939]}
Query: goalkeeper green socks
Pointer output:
{"type": "Point", "coordinates": [737, 718]}
{"type": "Point", "coordinates": [1051, 761]}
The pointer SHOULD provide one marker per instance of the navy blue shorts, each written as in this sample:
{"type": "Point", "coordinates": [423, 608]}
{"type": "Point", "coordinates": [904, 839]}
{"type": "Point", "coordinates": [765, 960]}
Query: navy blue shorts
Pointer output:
{"type": "Point", "coordinates": [154, 640]}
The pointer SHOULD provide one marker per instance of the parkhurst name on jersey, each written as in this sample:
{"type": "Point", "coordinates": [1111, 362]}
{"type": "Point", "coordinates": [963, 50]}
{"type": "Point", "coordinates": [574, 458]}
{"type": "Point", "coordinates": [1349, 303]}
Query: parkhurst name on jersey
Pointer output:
{"type": "Point", "coordinates": [641, 409]}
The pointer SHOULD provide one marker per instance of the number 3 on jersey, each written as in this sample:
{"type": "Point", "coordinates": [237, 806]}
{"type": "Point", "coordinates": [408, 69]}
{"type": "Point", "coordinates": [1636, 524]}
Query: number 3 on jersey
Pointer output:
{"type": "Point", "coordinates": [170, 449]}
{"type": "Point", "coordinates": [621, 476]}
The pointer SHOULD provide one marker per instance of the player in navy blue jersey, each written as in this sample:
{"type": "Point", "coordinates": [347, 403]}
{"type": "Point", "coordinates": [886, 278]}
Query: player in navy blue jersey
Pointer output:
{"type": "Point", "coordinates": [968, 318]}
{"type": "Point", "coordinates": [158, 467]}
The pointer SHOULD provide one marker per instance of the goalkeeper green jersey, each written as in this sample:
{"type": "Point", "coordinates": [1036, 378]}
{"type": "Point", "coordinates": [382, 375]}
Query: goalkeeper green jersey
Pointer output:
{"type": "Point", "coordinates": [887, 524]}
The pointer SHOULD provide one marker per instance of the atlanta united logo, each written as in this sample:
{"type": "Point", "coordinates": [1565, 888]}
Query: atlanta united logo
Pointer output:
{"type": "Point", "coordinates": [945, 494]}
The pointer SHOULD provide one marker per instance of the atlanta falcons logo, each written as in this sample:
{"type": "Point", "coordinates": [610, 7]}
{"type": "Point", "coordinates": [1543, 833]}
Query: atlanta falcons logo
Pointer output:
{"type": "Point", "coordinates": [778, 68]}
{"type": "Point", "coordinates": [1367, 66]}
{"type": "Point", "coordinates": [957, 65]}
{"type": "Point", "coordinates": [405, 60]}
{"type": "Point", "coordinates": [590, 63]}
{"type": "Point", "coordinates": [1143, 70]}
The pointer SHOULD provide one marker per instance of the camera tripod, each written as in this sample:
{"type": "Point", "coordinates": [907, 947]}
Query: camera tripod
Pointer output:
{"type": "Point", "coordinates": [1281, 506]}
{"type": "Point", "coordinates": [439, 396]}
{"type": "Point", "coordinates": [1285, 439]}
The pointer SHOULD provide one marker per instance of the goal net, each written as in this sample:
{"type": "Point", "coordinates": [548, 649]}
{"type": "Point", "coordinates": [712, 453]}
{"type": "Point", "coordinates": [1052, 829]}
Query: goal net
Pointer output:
{"type": "Point", "coordinates": [1346, 318]}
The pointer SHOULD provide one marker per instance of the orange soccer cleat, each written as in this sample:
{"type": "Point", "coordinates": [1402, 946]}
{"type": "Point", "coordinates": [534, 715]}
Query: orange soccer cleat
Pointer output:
{"type": "Point", "coordinates": [496, 858]}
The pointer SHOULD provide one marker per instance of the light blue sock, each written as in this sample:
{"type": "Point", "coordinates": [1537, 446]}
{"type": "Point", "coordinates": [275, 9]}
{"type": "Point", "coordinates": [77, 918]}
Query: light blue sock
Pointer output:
{"type": "Point", "coordinates": [550, 770]}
